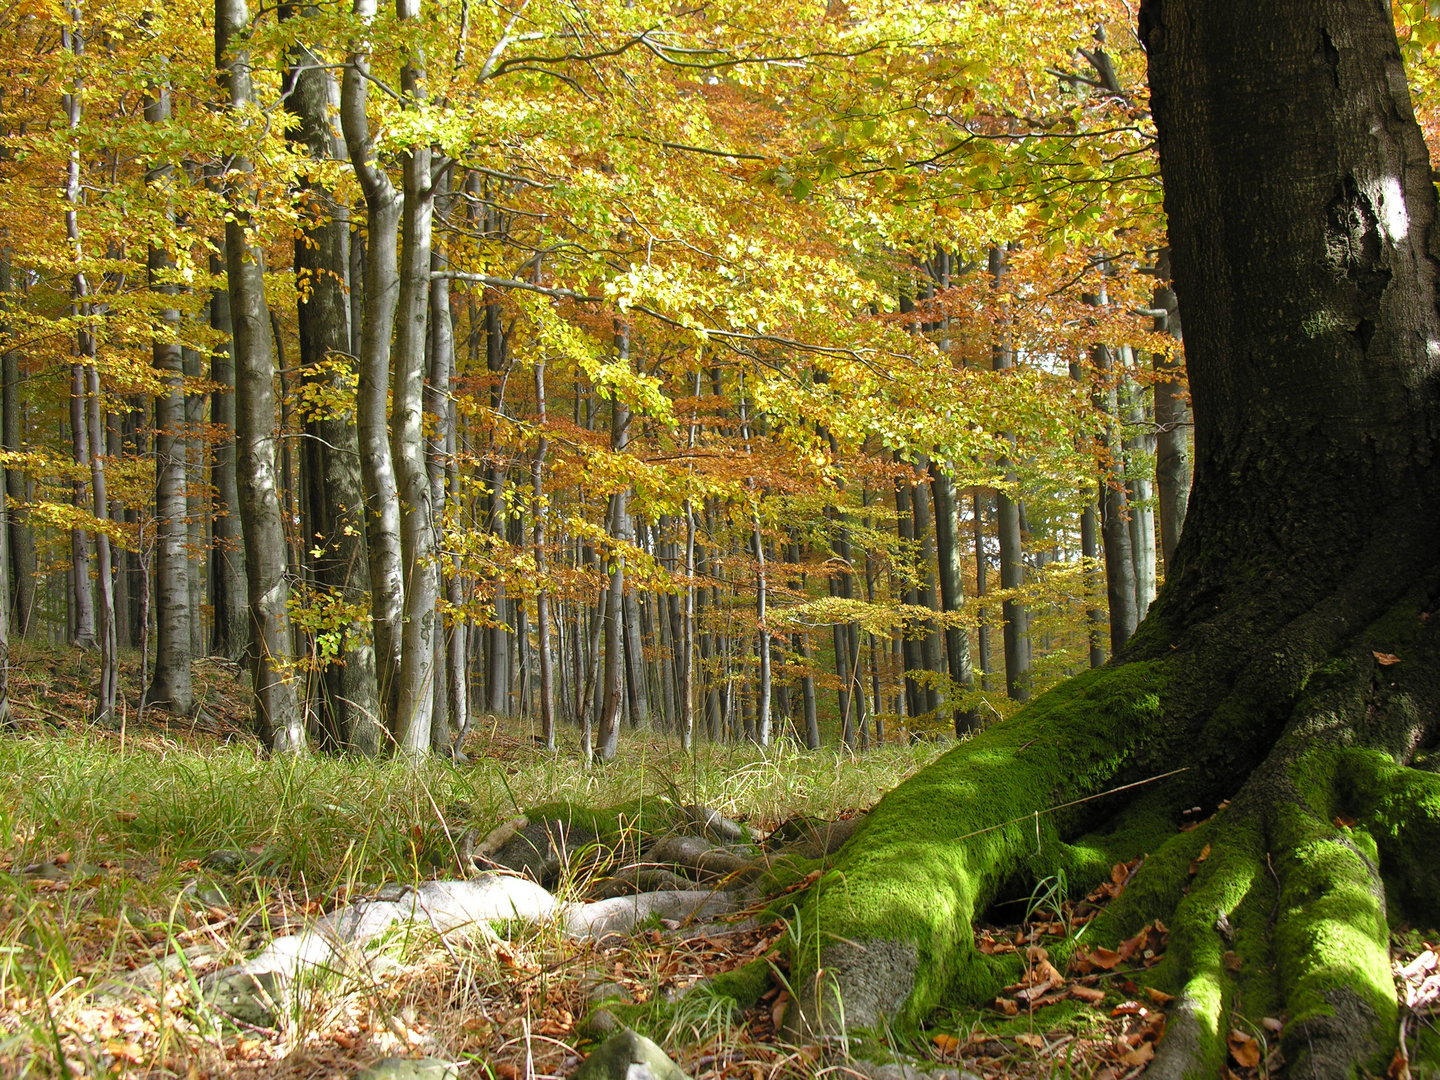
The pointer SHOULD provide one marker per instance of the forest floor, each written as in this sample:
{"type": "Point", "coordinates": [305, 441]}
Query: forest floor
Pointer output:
{"type": "Point", "coordinates": [108, 843]}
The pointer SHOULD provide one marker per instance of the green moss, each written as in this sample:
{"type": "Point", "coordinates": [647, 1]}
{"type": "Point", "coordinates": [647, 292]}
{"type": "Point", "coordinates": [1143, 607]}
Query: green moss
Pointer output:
{"type": "Point", "coordinates": [1332, 942]}
{"type": "Point", "coordinates": [929, 856]}
{"type": "Point", "coordinates": [743, 985]}
{"type": "Point", "coordinates": [1399, 809]}
{"type": "Point", "coordinates": [636, 816]}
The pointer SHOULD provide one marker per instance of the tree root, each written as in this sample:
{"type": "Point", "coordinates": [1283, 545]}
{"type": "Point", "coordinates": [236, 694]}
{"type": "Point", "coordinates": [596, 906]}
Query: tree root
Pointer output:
{"type": "Point", "coordinates": [1277, 906]}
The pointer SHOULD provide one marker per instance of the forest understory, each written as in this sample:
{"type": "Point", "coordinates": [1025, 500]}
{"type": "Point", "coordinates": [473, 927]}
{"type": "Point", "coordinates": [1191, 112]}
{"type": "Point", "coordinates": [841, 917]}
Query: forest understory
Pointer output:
{"type": "Point", "coordinates": [113, 856]}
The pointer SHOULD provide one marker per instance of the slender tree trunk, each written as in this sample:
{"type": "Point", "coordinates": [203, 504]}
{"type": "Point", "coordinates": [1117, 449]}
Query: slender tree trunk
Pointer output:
{"type": "Point", "coordinates": [931, 644]}
{"type": "Point", "coordinates": [228, 593]}
{"type": "Point", "coordinates": [22, 563]}
{"type": "Point", "coordinates": [982, 576]}
{"type": "Point", "coordinates": [542, 596]}
{"type": "Point", "coordinates": [1172, 419]}
{"type": "Point", "coordinates": [382, 290]}
{"type": "Point", "coordinates": [952, 594]}
{"type": "Point", "coordinates": [277, 708]}
{"type": "Point", "coordinates": [1138, 454]}
{"type": "Point", "coordinates": [170, 687]}
{"type": "Point", "coordinates": [1012, 556]}
{"type": "Point", "coordinates": [609, 732]}
{"type": "Point", "coordinates": [350, 700]}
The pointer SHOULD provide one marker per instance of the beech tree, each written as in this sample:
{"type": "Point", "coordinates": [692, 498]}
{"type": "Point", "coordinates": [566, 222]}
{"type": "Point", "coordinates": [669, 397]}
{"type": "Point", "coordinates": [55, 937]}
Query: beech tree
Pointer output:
{"type": "Point", "coordinates": [1285, 679]}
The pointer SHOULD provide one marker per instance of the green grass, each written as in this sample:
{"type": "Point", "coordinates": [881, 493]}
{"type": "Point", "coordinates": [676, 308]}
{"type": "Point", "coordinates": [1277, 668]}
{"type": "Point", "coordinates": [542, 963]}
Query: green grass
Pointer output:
{"type": "Point", "coordinates": [133, 822]}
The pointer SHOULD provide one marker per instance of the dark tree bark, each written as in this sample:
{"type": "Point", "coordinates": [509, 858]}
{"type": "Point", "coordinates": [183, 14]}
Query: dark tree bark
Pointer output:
{"type": "Point", "coordinates": [1308, 560]}
{"type": "Point", "coordinates": [1016, 617]}
{"type": "Point", "coordinates": [228, 590]}
{"type": "Point", "coordinates": [21, 537]}
{"type": "Point", "coordinates": [349, 706]}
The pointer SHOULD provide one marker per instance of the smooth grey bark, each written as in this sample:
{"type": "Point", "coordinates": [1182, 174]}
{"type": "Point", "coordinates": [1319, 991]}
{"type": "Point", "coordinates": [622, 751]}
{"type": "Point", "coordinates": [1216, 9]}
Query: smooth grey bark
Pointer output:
{"type": "Point", "coordinates": [1172, 417]}
{"type": "Point", "coordinates": [1090, 552]}
{"type": "Point", "coordinates": [499, 638]}
{"type": "Point", "coordinates": [382, 292]}
{"type": "Point", "coordinates": [277, 708]}
{"type": "Point", "coordinates": [608, 735]}
{"type": "Point", "coordinates": [170, 686]}
{"type": "Point", "coordinates": [228, 595]}
{"type": "Point", "coordinates": [414, 699]}
{"type": "Point", "coordinates": [1114, 516]}
{"type": "Point", "coordinates": [910, 648]}
{"type": "Point", "coordinates": [452, 699]}
{"type": "Point", "coordinates": [1139, 454]}
{"type": "Point", "coordinates": [22, 562]}
{"type": "Point", "coordinates": [952, 592]}
{"type": "Point", "coordinates": [192, 363]}
{"type": "Point", "coordinates": [333, 492]}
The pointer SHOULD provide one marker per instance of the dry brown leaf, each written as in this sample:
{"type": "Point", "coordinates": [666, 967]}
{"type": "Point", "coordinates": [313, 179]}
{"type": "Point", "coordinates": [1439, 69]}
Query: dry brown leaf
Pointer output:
{"type": "Point", "coordinates": [946, 1044]}
{"type": "Point", "coordinates": [1118, 873]}
{"type": "Point", "coordinates": [1091, 994]}
{"type": "Point", "coordinates": [1233, 962]}
{"type": "Point", "coordinates": [1245, 1049]}
{"type": "Point", "coordinates": [1271, 1024]}
{"type": "Point", "coordinates": [1386, 659]}
{"type": "Point", "coordinates": [1140, 1055]}
{"type": "Point", "coordinates": [1129, 1008]}
{"type": "Point", "coordinates": [1399, 1066]}
{"type": "Point", "coordinates": [1008, 1007]}
{"type": "Point", "coordinates": [1343, 822]}
{"type": "Point", "coordinates": [1037, 952]}
{"type": "Point", "coordinates": [1026, 1038]}
{"type": "Point", "coordinates": [777, 1010]}
{"type": "Point", "coordinates": [1104, 959]}
{"type": "Point", "coordinates": [1159, 997]}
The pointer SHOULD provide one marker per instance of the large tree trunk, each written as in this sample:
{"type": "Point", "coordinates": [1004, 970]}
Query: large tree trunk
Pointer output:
{"type": "Point", "coordinates": [1172, 419]}
{"type": "Point", "coordinates": [382, 291]}
{"type": "Point", "coordinates": [1264, 670]}
{"type": "Point", "coordinates": [277, 709]}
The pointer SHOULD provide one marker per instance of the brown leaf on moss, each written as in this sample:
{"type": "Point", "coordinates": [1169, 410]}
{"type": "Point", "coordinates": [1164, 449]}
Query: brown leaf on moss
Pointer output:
{"type": "Point", "coordinates": [1245, 1049]}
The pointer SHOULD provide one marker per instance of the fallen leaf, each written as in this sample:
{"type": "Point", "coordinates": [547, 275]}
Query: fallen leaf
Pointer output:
{"type": "Point", "coordinates": [1118, 873]}
{"type": "Point", "coordinates": [1026, 1038]}
{"type": "Point", "coordinates": [1008, 1007]}
{"type": "Point", "coordinates": [1104, 959]}
{"type": "Point", "coordinates": [946, 1044]}
{"type": "Point", "coordinates": [1245, 1049]}
{"type": "Point", "coordinates": [1037, 952]}
{"type": "Point", "coordinates": [1140, 1055]}
{"type": "Point", "coordinates": [1031, 993]}
{"type": "Point", "coordinates": [1399, 1066]}
{"type": "Point", "coordinates": [1129, 1008]}
{"type": "Point", "coordinates": [777, 1011]}
{"type": "Point", "coordinates": [1232, 962]}
{"type": "Point", "coordinates": [1343, 822]}
{"type": "Point", "coordinates": [1271, 1024]}
{"type": "Point", "coordinates": [1159, 997]}
{"type": "Point", "coordinates": [1385, 658]}
{"type": "Point", "coordinates": [1091, 994]}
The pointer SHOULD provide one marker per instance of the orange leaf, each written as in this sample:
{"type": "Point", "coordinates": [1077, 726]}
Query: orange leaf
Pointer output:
{"type": "Point", "coordinates": [1140, 1055]}
{"type": "Point", "coordinates": [946, 1044]}
{"type": "Point", "coordinates": [1245, 1049]}
{"type": "Point", "coordinates": [1343, 822]}
{"type": "Point", "coordinates": [1118, 873]}
{"type": "Point", "coordinates": [1386, 658]}
{"type": "Point", "coordinates": [1129, 1008]}
{"type": "Point", "coordinates": [1159, 997]}
{"type": "Point", "coordinates": [1006, 1006]}
{"type": "Point", "coordinates": [1090, 994]}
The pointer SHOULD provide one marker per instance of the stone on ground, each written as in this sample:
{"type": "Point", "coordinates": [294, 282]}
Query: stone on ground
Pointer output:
{"type": "Point", "coordinates": [628, 1056]}
{"type": "Point", "coordinates": [543, 848]}
{"type": "Point", "coordinates": [396, 1068]}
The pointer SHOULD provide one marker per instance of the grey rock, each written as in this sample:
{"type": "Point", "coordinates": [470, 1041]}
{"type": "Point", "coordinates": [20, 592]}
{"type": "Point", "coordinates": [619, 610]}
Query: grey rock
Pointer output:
{"type": "Point", "coordinates": [606, 991]}
{"type": "Point", "coordinates": [250, 998]}
{"type": "Point", "coordinates": [601, 1024]}
{"type": "Point", "coordinates": [543, 848]}
{"type": "Point", "coordinates": [396, 1068]}
{"type": "Point", "coordinates": [151, 977]}
{"type": "Point", "coordinates": [228, 860]}
{"type": "Point", "coordinates": [628, 1056]}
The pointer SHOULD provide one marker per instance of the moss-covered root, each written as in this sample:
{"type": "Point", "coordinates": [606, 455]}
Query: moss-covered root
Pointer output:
{"type": "Point", "coordinates": [886, 933]}
{"type": "Point", "coordinates": [1331, 947]}
{"type": "Point", "coordinates": [1223, 916]}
